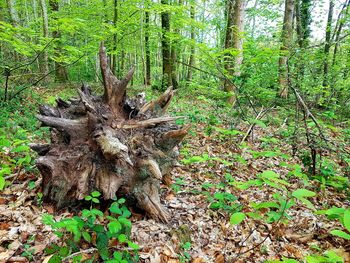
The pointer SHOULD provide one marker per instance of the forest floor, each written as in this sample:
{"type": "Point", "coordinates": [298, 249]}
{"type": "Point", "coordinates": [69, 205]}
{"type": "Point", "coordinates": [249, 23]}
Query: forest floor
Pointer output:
{"type": "Point", "coordinates": [216, 176]}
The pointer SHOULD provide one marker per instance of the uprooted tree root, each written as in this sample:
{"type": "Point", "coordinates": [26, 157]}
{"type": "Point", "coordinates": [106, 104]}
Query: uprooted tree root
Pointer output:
{"type": "Point", "coordinates": [109, 143]}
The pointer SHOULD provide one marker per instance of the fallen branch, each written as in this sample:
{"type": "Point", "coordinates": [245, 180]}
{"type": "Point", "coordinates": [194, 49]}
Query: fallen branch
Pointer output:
{"type": "Point", "coordinates": [86, 251]}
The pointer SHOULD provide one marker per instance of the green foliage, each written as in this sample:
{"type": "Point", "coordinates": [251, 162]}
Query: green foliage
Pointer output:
{"type": "Point", "coordinates": [98, 230]}
{"type": "Point", "coordinates": [223, 201]}
{"type": "Point", "coordinates": [343, 215]}
{"type": "Point", "coordinates": [184, 254]}
{"type": "Point", "coordinates": [327, 257]}
{"type": "Point", "coordinates": [237, 218]}
{"type": "Point", "coordinates": [15, 155]}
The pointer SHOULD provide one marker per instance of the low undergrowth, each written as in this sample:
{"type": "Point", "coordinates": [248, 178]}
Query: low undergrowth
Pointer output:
{"type": "Point", "coordinates": [264, 178]}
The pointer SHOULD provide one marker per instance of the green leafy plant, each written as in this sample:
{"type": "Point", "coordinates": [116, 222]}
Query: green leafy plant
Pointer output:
{"type": "Point", "coordinates": [184, 254]}
{"type": "Point", "coordinates": [327, 257]}
{"type": "Point", "coordinates": [224, 201]}
{"type": "Point", "coordinates": [341, 214]}
{"type": "Point", "coordinates": [109, 234]}
{"type": "Point", "coordinates": [15, 155]}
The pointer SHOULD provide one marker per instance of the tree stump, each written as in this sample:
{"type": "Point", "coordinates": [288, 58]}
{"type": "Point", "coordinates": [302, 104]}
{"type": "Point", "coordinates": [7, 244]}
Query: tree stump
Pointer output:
{"type": "Point", "coordinates": [109, 143]}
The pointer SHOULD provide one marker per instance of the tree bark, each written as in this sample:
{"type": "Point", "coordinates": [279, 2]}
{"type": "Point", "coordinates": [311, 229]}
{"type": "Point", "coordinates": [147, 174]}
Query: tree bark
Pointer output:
{"type": "Point", "coordinates": [110, 143]}
{"type": "Point", "coordinates": [61, 74]}
{"type": "Point", "coordinates": [234, 40]}
{"type": "Point", "coordinates": [191, 61]}
{"type": "Point", "coordinates": [287, 35]}
{"type": "Point", "coordinates": [115, 19]}
{"type": "Point", "coordinates": [147, 50]}
{"type": "Point", "coordinates": [11, 5]}
{"type": "Point", "coordinates": [327, 45]}
{"type": "Point", "coordinates": [166, 52]}
{"type": "Point", "coordinates": [340, 24]}
{"type": "Point", "coordinates": [45, 63]}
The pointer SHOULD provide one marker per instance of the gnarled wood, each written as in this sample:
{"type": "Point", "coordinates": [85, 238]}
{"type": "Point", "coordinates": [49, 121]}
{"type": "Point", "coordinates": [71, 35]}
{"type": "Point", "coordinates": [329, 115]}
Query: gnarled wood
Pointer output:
{"type": "Point", "coordinates": [109, 143]}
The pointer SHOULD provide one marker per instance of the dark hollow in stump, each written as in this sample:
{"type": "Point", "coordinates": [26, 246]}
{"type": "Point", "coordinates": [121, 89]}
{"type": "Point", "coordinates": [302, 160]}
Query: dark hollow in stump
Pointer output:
{"type": "Point", "coordinates": [109, 143]}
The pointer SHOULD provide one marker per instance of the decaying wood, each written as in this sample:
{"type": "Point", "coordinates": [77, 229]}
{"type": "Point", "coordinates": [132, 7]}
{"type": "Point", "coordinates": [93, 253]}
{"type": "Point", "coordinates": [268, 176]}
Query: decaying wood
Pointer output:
{"type": "Point", "coordinates": [109, 143]}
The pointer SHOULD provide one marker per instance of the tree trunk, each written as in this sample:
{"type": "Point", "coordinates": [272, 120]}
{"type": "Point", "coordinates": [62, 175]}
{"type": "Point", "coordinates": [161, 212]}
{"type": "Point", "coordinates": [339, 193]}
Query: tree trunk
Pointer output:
{"type": "Point", "coordinates": [327, 45]}
{"type": "Point", "coordinates": [11, 5]}
{"type": "Point", "coordinates": [109, 143]}
{"type": "Point", "coordinates": [191, 61]}
{"type": "Point", "coordinates": [114, 55]}
{"type": "Point", "coordinates": [167, 67]}
{"type": "Point", "coordinates": [147, 51]}
{"type": "Point", "coordinates": [340, 24]}
{"type": "Point", "coordinates": [287, 35]}
{"type": "Point", "coordinates": [303, 20]}
{"type": "Point", "coordinates": [45, 63]}
{"type": "Point", "coordinates": [234, 40]}
{"type": "Point", "coordinates": [61, 74]}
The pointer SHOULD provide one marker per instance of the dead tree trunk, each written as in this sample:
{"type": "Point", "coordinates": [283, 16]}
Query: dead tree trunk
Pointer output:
{"type": "Point", "coordinates": [109, 143]}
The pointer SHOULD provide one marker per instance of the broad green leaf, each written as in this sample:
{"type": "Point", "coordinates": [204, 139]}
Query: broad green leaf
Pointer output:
{"type": "Point", "coordinates": [5, 170]}
{"type": "Point", "coordinates": [340, 233]}
{"type": "Point", "coordinates": [2, 183]}
{"type": "Point", "coordinates": [64, 251]}
{"type": "Point", "coordinates": [21, 148]}
{"type": "Point", "coordinates": [86, 236]}
{"type": "Point", "coordinates": [121, 201]}
{"type": "Point", "coordinates": [115, 209]}
{"type": "Point", "coordinates": [265, 205]}
{"type": "Point", "coordinates": [237, 218]}
{"type": "Point", "coordinates": [346, 220]}
{"type": "Point", "coordinates": [303, 193]}
{"type": "Point", "coordinates": [269, 175]}
{"type": "Point", "coordinates": [95, 200]}
{"type": "Point", "coordinates": [114, 227]}
{"type": "Point", "coordinates": [333, 257]}
{"type": "Point", "coordinates": [95, 194]}
{"type": "Point", "coordinates": [133, 245]}
{"type": "Point", "coordinates": [122, 238]}
{"type": "Point", "coordinates": [55, 259]}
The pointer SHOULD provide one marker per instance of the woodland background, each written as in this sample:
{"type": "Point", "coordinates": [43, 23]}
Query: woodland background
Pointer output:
{"type": "Point", "coordinates": [264, 173]}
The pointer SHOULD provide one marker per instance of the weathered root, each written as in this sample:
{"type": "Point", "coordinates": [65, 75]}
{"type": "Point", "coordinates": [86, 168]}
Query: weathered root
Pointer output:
{"type": "Point", "coordinates": [109, 143]}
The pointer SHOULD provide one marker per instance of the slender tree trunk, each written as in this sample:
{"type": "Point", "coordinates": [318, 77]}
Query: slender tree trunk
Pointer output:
{"type": "Point", "coordinates": [303, 20]}
{"type": "Point", "coordinates": [341, 20]}
{"type": "Point", "coordinates": [35, 8]}
{"type": "Point", "coordinates": [237, 36]}
{"type": "Point", "coordinates": [147, 51]}
{"type": "Point", "coordinates": [115, 37]}
{"type": "Point", "coordinates": [254, 17]}
{"type": "Point", "coordinates": [327, 45]}
{"type": "Point", "coordinates": [191, 61]}
{"type": "Point", "coordinates": [167, 67]}
{"type": "Point", "coordinates": [45, 63]}
{"type": "Point", "coordinates": [60, 70]}
{"type": "Point", "coordinates": [287, 35]}
{"type": "Point", "coordinates": [11, 5]}
{"type": "Point", "coordinates": [234, 29]}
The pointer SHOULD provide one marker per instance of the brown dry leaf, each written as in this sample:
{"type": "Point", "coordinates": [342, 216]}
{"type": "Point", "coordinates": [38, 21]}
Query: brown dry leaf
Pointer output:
{"type": "Point", "coordinates": [38, 248]}
{"type": "Point", "coordinates": [3, 201]}
{"type": "Point", "coordinates": [154, 258]}
{"type": "Point", "coordinates": [220, 258]}
{"type": "Point", "coordinates": [24, 236]}
{"type": "Point", "coordinates": [49, 208]}
{"type": "Point", "coordinates": [46, 259]}
{"type": "Point", "coordinates": [198, 260]}
{"type": "Point", "coordinates": [17, 260]}
{"type": "Point", "coordinates": [4, 256]}
{"type": "Point", "coordinates": [294, 251]}
{"type": "Point", "coordinates": [4, 226]}
{"type": "Point", "coordinates": [170, 197]}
